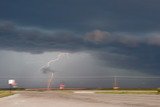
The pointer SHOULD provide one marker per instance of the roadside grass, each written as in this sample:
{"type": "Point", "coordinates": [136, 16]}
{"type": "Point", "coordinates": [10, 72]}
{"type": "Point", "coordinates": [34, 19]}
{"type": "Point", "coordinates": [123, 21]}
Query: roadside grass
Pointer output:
{"type": "Point", "coordinates": [127, 92]}
{"type": "Point", "coordinates": [109, 91]}
{"type": "Point", "coordinates": [5, 93]}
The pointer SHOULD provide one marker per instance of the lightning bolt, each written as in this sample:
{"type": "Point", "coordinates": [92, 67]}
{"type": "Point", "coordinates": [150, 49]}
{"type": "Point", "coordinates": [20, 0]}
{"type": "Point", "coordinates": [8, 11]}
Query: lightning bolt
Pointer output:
{"type": "Point", "coordinates": [46, 68]}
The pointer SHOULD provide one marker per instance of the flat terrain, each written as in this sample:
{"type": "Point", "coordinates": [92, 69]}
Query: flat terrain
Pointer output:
{"type": "Point", "coordinates": [4, 93]}
{"type": "Point", "coordinates": [78, 99]}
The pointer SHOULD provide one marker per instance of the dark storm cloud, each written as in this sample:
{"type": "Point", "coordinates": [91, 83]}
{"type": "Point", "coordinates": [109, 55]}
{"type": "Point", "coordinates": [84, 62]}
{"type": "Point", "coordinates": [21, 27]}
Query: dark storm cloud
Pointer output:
{"type": "Point", "coordinates": [85, 15]}
{"type": "Point", "coordinates": [143, 58]}
{"type": "Point", "coordinates": [124, 33]}
{"type": "Point", "coordinates": [132, 52]}
{"type": "Point", "coordinates": [31, 39]}
{"type": "Point", "coordinates": [121, 50]}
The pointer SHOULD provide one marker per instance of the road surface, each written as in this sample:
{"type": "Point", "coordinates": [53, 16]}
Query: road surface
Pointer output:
{"type": "Point", "coordinates": [69, 99]}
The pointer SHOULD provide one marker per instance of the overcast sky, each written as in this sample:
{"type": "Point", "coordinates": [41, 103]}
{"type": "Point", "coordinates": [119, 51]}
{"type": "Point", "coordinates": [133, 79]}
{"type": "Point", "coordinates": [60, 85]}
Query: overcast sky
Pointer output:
{"type": "Point", "coordinates": [102, 37]}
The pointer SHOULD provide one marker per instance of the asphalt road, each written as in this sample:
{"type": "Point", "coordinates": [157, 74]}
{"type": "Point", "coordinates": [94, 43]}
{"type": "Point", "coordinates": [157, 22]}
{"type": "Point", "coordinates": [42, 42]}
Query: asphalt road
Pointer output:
{"type": "Point", "coordinates": [68, 99]}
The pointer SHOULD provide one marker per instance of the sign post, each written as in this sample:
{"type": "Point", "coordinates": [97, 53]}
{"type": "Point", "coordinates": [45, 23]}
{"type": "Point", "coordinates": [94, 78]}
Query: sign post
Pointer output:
{"type": "Point", "coordinates": [11, 83]}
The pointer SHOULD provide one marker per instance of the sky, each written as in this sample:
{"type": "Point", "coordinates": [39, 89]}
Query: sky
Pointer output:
{"type": "Point", "coordinates": [103, 38]}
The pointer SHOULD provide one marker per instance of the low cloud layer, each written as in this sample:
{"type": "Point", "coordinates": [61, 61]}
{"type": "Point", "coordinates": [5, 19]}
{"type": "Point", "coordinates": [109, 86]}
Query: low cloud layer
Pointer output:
{"type": "Point", "coordinates": [29, 39]}
{"type": "Point", "coordinates": [32, 39]}
{"type": "Point", "coordinates": [141, 51]}
{"type": "Point", "coordinates": [121, 36]}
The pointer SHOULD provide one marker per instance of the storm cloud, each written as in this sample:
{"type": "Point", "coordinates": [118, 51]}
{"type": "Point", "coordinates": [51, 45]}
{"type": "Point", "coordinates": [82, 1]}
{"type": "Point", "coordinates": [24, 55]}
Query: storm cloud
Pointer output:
{"type": "Point", "coordinates": [32, 39]}
{"type": "Point", "coordinates": [142, 52]}
{"type": "Point", "coordinates": [120, 34]}
{"type": "Point", "coordinates": [85, 15]}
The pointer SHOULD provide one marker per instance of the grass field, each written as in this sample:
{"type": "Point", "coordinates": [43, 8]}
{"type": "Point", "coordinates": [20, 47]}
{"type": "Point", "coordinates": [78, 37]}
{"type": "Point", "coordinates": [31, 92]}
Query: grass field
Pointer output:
{"type": "Point", "coordinates": [128, 92]}
{"type": "Point", "coordinates": [5, 93]}
{"type": "Point", "coordinates": [103, 91]}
